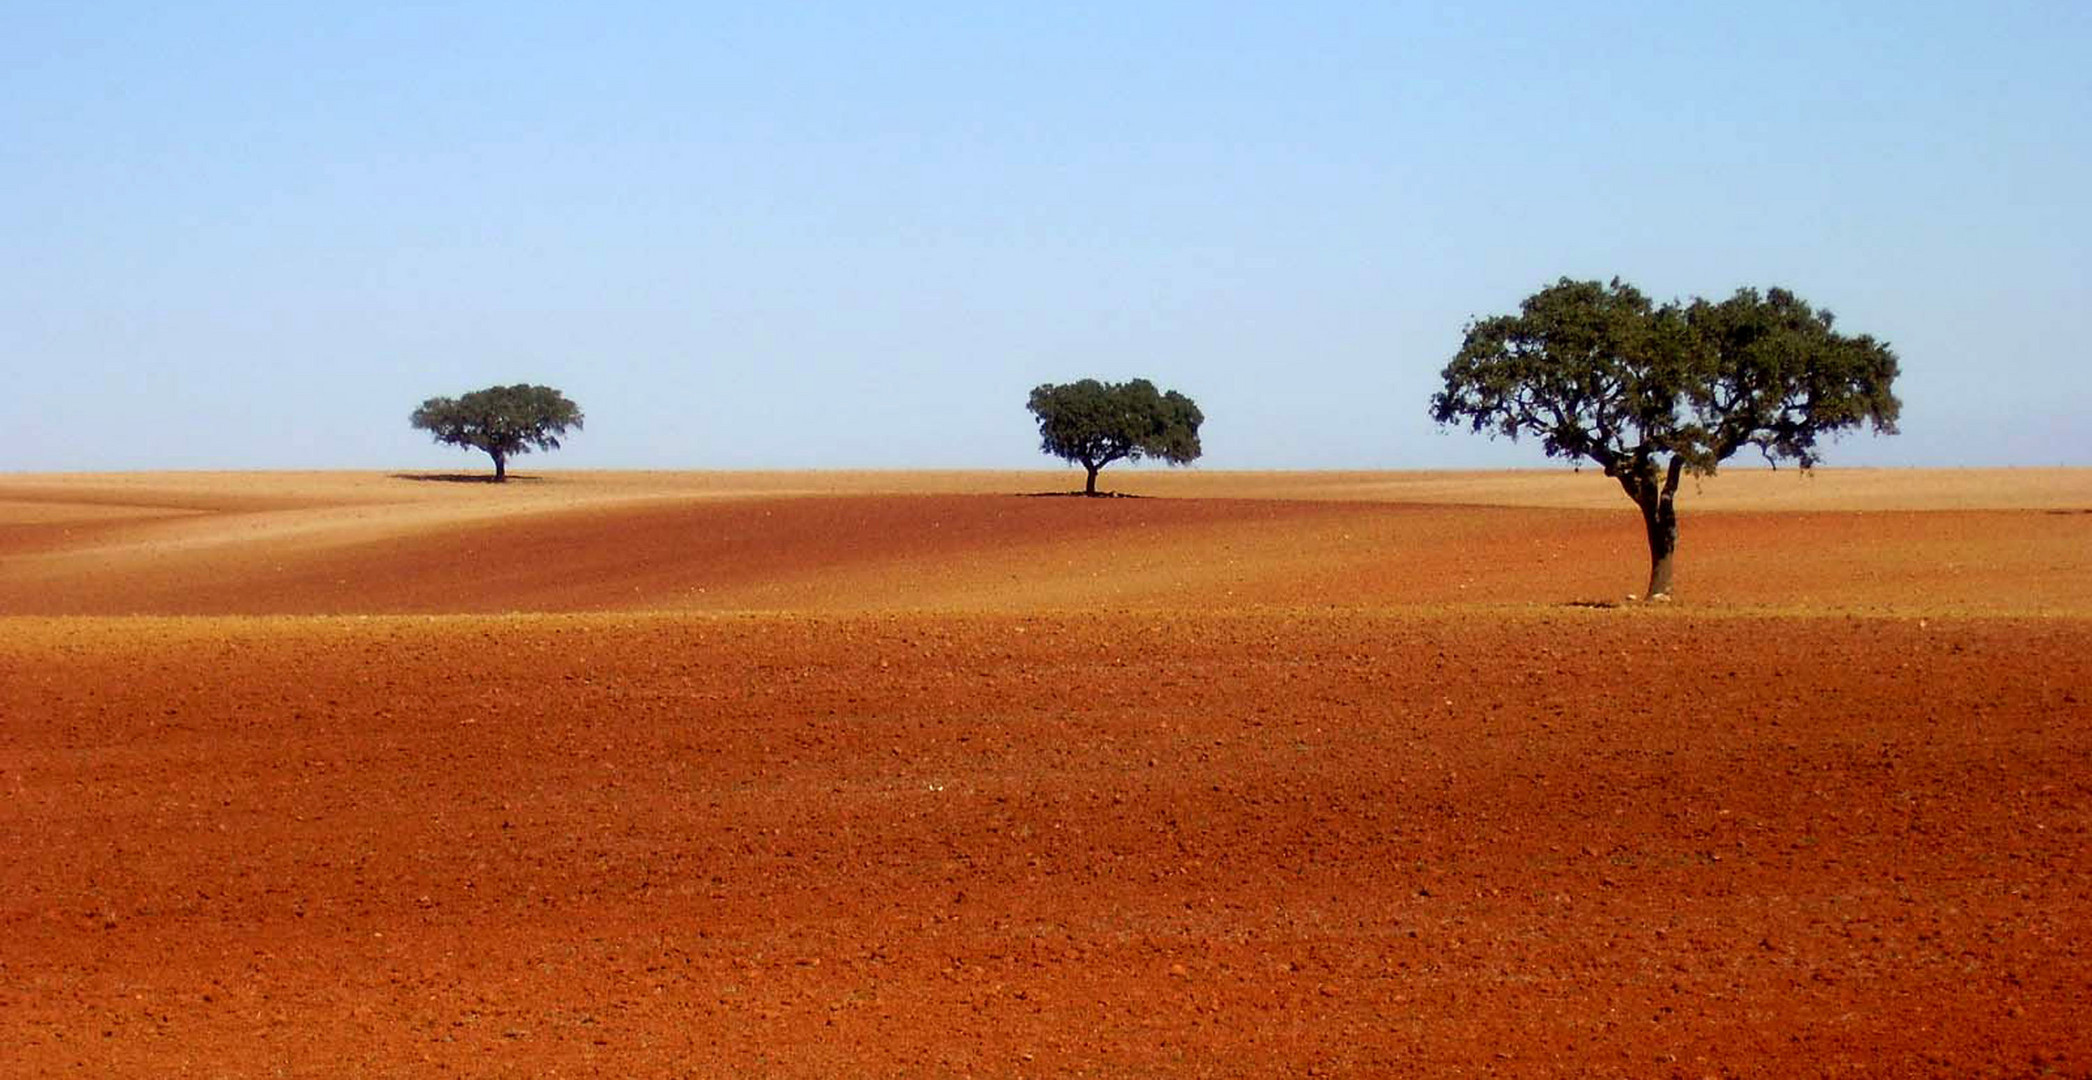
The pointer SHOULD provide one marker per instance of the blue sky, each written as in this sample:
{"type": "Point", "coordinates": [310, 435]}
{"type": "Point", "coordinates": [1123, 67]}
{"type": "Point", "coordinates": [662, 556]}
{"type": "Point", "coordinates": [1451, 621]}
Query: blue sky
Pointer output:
{"type": "Point", "coordinates": [855, 235]}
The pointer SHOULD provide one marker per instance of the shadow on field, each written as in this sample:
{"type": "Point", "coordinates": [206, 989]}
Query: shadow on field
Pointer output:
{"type": "Point", "coordinates": [463, 478]}
{"type": "Point", "coordinates": [1081, 495]}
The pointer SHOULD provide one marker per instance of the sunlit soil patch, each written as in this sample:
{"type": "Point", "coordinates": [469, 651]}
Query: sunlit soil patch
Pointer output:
{"type": "Point", "coordinates": [1584, 841]}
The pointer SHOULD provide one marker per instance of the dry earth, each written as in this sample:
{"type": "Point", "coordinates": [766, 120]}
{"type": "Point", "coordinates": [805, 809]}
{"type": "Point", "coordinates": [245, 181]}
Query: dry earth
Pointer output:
{"type": "Point", "coordinates": [896, 774]}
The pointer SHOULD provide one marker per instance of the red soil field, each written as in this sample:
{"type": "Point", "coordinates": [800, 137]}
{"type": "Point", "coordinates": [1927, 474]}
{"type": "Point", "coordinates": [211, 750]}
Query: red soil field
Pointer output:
{"type": "Point", "coordinates": [910, 775]}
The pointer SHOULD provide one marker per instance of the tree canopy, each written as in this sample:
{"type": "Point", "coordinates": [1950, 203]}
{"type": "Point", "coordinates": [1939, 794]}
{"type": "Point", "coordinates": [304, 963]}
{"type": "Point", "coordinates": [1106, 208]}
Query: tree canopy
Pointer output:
{"type": "Point", "coordinates": [501, 420]}
{"type": "Point", "coordinates": [1094, 423]}
{"type": "Point", "coordinates": [1649, 392]}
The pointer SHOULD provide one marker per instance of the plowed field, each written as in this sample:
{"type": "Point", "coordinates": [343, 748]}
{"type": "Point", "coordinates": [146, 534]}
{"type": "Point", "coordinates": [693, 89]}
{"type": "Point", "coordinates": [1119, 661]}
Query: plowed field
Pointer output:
{"type": "Point", "coordinates": [916, 775]}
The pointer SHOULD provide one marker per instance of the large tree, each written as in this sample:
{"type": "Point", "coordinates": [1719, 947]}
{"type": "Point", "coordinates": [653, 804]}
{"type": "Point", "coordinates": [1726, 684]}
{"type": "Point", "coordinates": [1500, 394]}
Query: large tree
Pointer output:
{"type": "Point", "coordinates": [1095, 423]}
{"type": "Point", "coordinates": [501, 420]}
{"type": "Point", "coordinates": [1598, 373]}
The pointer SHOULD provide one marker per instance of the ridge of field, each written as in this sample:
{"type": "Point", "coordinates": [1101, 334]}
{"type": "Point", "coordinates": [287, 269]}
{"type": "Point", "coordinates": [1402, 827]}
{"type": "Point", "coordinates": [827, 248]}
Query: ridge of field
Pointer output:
{"type": "Point", "coordinates": [321, 543]}
{"type": "Point", "coordinates": [1736, 488]}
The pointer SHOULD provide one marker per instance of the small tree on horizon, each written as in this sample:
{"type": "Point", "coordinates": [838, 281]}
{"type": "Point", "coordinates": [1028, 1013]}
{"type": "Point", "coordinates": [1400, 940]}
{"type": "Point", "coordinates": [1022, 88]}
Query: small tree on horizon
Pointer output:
{"type": "Point", "coordinates": [1649, 393]}
{"type": "Point", "coordinates": [1093, 424]}
{"type": "Point", "coordinates": [501, 420]}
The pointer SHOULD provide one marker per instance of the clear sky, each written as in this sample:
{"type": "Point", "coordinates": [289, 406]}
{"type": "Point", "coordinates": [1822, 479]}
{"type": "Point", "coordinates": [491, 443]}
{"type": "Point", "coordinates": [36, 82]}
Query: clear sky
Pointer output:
{"type": "Point", "coordinates": [257, 235]}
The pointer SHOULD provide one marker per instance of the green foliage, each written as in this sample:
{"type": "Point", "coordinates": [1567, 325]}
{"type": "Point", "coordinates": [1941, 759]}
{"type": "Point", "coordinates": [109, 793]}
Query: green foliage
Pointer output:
{"type": "Point", "coordinates": [1597, 372]}
{"type": "Point", "coordinates": [1095, 423]}
{"type": "Point", "coordinates": [500, 420]}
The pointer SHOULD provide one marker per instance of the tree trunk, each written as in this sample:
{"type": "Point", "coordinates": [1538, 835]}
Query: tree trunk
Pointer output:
{"type": "Point", "coordinates": [500, 466]}
{"type": "Point", "coordinates": [1090, 488]}
{"type": "Point", "coordinates": [1658, 500]}
{"type": "Point", "coordinates": [1660, 520]}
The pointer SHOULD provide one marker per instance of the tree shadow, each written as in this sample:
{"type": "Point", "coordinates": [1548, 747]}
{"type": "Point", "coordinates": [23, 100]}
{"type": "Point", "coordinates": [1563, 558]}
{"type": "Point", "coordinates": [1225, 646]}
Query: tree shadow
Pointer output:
{"type": "Point", "coordinates": [464, 478]}
{"type": "Point", "coordinates": [1629, 603]}
{"type": "Point", "coordinates": [1083, 495]}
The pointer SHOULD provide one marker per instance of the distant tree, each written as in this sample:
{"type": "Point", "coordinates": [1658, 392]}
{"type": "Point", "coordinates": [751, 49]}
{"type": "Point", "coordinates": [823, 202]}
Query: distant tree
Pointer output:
{"type": "Point", "coordinates": [1095, 423]}
{"type": "Point", "coordinates": [1651, 392]}
{"type": "Point", "coordinates": [501, 420]}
